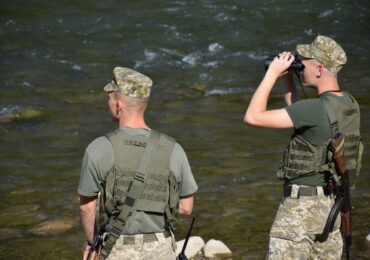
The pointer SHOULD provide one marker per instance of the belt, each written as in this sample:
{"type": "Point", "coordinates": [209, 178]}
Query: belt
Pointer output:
{"type": "Point", "coordinates": [300, 191]}
{"type": "Point", "coordinates": [149, 237]}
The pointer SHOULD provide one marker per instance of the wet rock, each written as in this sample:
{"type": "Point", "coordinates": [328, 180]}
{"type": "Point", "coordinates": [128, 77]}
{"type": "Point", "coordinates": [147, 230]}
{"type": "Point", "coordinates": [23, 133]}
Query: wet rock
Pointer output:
{"type": "Point", "coordinates": [196, 90]}
{"type": "Point", "coordinates": [53, 227]}
{"type": "Point", "coordinates": [17, 113]}
{"type": "Point", "coordinates": [216, 249]}
{"type": "Point", "coordinates": [193, 249]}
{"type": "Point", "coordinates": [368, 240]}
{"type": "Point", "coordinates": [199, 87]}
{"type": "Point", "coordinates": [197, 250]}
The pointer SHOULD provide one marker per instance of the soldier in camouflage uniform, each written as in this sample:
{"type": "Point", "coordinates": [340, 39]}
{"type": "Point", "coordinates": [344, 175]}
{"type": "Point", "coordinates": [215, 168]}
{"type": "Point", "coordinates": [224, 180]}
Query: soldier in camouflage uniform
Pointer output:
{"type": "Point", "coordinates": [305, 170]}
{"type": "Point", "coordinates": [109, 167]}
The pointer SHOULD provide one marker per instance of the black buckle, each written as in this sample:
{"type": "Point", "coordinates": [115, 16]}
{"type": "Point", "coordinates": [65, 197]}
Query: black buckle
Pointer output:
{"type": "Point", "coordinates": [139, 176]}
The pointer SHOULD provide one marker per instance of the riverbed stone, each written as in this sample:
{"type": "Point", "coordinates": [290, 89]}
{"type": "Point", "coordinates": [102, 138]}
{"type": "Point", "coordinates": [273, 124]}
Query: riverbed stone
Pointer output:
{"type": "Point", "coordinates": [216, 249]}
{"type": "Point", "coordinates": [193, 249]}
{"type": "Point", "coordinates": [23, 114]}
{"type": "Point", "coordinates": [53, 227]}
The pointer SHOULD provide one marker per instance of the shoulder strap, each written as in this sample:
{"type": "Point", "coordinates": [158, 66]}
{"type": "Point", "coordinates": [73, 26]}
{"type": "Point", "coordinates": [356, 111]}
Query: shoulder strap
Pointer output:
{"type": "Point", "coordinates": [334, 128]}
{"type": "Point", "coordinates": [133, 193]}
{"type": "Point", "coordinates": [333, 120]}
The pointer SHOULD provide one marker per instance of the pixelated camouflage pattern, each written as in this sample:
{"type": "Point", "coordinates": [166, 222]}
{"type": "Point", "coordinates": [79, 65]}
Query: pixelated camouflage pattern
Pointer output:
{"type": "Point", "coordinates": [298, 220]}
{"type": "Point", "coordinates": [130, 83]}
{"type": "Point", "coordinates": [143, 251]}
{"type": "Point", "coordinates": [325, 50]}
{"type": "Point", "coordinates": [331, 249]}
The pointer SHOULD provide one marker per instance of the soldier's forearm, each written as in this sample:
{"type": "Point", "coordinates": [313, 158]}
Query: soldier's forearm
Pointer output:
{"type": "Point", "coordinates": [87, 215]}
{"type": "Point", "coordinates": [291, 93]}
{"type": "Point", "coordinates": [186, 205]}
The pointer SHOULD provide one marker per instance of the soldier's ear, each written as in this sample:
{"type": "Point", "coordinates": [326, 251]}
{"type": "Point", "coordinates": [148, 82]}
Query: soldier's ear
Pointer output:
{"type": "Point", "coordinates": [120, 104]}
{"type": "Point", "coordinates": [320, 70]}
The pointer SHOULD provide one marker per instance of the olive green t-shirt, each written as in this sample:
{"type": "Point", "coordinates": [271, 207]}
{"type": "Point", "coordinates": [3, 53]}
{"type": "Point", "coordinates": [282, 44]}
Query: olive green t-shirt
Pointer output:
{"type": "Point", "coordinates": [310, 119]}
{"type": "Point", "coordinates": [99, 159]}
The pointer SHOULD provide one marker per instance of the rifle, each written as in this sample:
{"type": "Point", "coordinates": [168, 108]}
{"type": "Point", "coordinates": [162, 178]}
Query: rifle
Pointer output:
{"type": "Point", "coordinates": [182, 255]}
{"type": "Point", "coordinates": [342, 200]}
{"type": "Point", "coordinates": [97, 245]}
{"type": "Point", "coordinates": [337, 145]}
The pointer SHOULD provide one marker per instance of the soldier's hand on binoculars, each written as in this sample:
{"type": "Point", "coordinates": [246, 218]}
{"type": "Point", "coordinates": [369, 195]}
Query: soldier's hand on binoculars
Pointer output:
{"type": "Point", "coordinates": [281, 63]}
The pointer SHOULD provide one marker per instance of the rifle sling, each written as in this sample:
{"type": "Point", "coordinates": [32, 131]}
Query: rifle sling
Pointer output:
{"type": "Point", "coordinates": [334, 128]}
{"type": "Point", "coordinates": [340, 200]}
{"type": "Point", "coordinates": [133, 193]}
{"type": "Point", "coordinates": [331, 220]}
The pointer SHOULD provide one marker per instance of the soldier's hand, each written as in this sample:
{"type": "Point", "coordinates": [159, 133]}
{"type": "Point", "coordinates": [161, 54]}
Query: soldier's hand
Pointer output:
{"type": "Point", "coordinates": [86, 252]}
{"type": "Point", "coordinates": [280, 65]}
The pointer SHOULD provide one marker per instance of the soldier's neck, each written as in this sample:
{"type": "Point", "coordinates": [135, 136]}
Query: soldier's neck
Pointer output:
{"type": "Point", "coordinates": [133, 123]}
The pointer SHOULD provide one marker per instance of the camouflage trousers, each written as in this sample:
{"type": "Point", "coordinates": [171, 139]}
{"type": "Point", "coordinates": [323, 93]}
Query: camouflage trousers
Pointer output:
{"type": "Point", "coordinates": [160, 249]}
{"type": "Point", "coordinates": [297, 221]}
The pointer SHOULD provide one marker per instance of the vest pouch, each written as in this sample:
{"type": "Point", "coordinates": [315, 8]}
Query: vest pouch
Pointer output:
{"type": "Point", "coordinates": [359, 158]}
{"type": "Point", "coordinates": [174, 194]}
{"type": "Point", "coordinates": [109, 185]}
{"type": "Point", "coordinates": [281, 171]}
{"type": "Point", "coordinates": [353, 148]}
{"type": "Point", "coordinates": [106, 194]}
{"type": "Point", "coordinates": [301, 157]}
{"type": "Point", "coordinates": [173, 203]}
{"type": "Point", "coordinates": [154, 196]}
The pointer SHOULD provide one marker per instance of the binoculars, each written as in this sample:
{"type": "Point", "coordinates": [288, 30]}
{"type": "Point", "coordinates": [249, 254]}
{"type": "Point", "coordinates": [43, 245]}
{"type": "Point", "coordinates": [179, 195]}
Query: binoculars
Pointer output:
{"type": "Point", "coordinates": [295, 66]}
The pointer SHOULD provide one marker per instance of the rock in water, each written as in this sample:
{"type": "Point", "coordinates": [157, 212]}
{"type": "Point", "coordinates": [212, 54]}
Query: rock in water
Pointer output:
{"type": "Point", "coordinates": [368, 240]}
{"type": "Point", "coordinates": [18, 114]}
{"type": "Point", "coordinates": [215, 249]}
{"type": "Point", "coordinates": [193, 249]}
{"type": "Point", "coordinates": [53, 227]}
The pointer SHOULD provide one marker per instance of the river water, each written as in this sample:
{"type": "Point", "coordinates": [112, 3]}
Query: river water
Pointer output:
{"type": "Point", "coordinates": [206, 59]}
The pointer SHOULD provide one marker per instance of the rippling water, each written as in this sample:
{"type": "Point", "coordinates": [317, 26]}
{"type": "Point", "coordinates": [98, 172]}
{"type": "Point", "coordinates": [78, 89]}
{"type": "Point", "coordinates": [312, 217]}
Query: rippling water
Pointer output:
{"type": "Point", "coordinates": [205, 58]}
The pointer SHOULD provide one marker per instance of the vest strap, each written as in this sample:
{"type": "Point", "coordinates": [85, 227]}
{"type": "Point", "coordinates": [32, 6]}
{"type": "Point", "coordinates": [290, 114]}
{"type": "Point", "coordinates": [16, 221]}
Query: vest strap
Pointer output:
{"type": "Point", "coordinates": [133, 193]}
{"type": "Point", "coordinates": [333, 120]}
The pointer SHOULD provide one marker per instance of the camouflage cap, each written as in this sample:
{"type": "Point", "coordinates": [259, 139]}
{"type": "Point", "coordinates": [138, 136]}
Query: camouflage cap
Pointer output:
{"type": "Point", "coordinates": [326, 51]}
{"type": "Point", "coordinates": [130, 83]}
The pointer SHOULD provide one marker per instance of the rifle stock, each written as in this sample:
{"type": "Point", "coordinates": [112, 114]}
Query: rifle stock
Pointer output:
{"type": "Point", "coordinates": [342, 200]}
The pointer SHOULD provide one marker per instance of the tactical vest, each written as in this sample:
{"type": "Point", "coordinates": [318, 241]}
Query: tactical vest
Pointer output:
{"type": "Point", "coordinates": [304, 158]}
{"type": "Point", "coordinates": [160, 193]}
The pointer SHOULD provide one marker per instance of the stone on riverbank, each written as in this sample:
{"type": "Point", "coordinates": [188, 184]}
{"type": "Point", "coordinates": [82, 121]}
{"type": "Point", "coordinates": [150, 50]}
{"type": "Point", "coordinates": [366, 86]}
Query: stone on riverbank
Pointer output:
{"type": "Point", "coordinates": [197, 250]}
{"type": "Point", "coordinates": [216, 249]}
{"type": "Point", "coordinates": [193, 249]}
